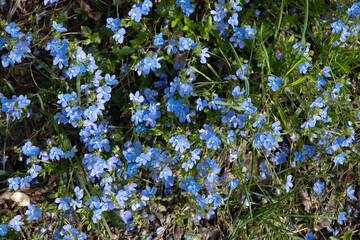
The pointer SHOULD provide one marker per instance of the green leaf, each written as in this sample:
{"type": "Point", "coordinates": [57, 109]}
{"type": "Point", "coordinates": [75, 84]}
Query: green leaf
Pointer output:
{"type": "Point", "coordinates": [6, 173]}
{"type": "Point", "coordinates": [173, 23]}
{"type": "Point", "coordinates": [116, 220]}
{"type": "Point", "coordinates": [334, 238]}
{"type": "Point", "coordinates": [86, 31]}
{"type": "Point", "coordinates": [297, 81]}
{"type": "Point", "coordinates": [87, 42]}
{"type": "Point", "coordinates": [347, 235]}
{"type": "Point", "coordinates": [95, 38]}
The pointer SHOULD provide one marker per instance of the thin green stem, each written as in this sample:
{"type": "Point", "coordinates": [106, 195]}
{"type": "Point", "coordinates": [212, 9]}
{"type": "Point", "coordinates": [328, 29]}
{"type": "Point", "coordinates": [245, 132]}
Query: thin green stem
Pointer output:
{"type": "Point", "coordinates": [305, 21]}
{"type": "Point", "coordinates": [279, 22]}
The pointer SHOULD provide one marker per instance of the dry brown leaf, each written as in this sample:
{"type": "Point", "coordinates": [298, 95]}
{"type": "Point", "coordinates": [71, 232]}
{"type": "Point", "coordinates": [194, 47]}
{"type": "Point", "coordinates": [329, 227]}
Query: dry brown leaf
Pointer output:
{"type": "Point", "coordinates": [87, 9]}
{"type": "Point", "coordinates": [305, 200]}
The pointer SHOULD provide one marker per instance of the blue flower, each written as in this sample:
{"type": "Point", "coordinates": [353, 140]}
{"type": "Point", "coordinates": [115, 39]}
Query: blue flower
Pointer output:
{"type": "Point", "coordinates": [56, 153]}
{"type": "Point", "coordinates": [309, 236]}
{"type": "Point", "coordinates": [23, 101]}
{"type": "Point", "coordinates": [299, 156]}
{"type": "Point", "coordinates": [234, 183]}
{"type": "Point", "coordinates": [303, 67]}
{"type": "Point", "coordinates": [103, 93]}
{"type": "Point", "coordinates": [274, 83]}
{"type": "Point", "coordinates": [51, 1]}
{"type": "Point", "coordinates": [81, 236]}
{"type": "Point", "coordinates": [185, 89]}
{"type": "Point", "coordinates": [145, 6]}
{"type": "Point", "coordinates": [166, 173]}
{"type": "Point", "coordinates": [25, 182]}
{"type": "Point", "coordinates": [341, 218]}
{"type": "Point", "coordinates": [213, 142]}
{"type": "Point", "coordinates": [218, 13]}
{"type": "Point", "coordinates": [233, 20]}
{"type": "Point", "coordinates": [339, 159]}
{"type": "Point", "coordinates": [149, 191]}
{"type": "Point", "coordinates": [204, 55]}
{"type": "Point", "coordinates": [97, 215]}
{"type": "Point", "coordinates": [301, 48]}
{"type": "Point", "coordinates": [318, 187]}
{"type": "Point", "coordinates": [288, 183]}
{"type": "Point", "coordinates": [326, 71]}
{"type": "Point", "coordinates": [317, 103]}
{"type": "Point", "coordinates": [33, 212]}
{"type": "Point", "coordinates": [113, 23]}
{"type": "Point", "coordinates": [12, 30]}
{"type": "Point", "coordinates": [73, 71]}
{"type": "Point", "coordinates": [93, 202]}
{"type": "Point", "coordinates": [125, 216]}
{"type": "Point", "coordinates": [242, 71]}
{"type": "Point", "coordinates": [190, 185]}
{"type": "Point", "coordinates": [309, 150]}
{"type": "Point", "coordinates": [206, 132]}
{"type": "Point", "coordinates": [249, 32]}
{"type": "Point", "coordinates": [148, 64]}
{"type": "Point", "coordinates": [29, 150]}
{"type": "Point", "coordinates": [135, 14]}
{"type": "Point", "coordinates": [235, 5]}
{"type": "Point", "coordinates": [353, 10]}
{"type": "Point", "coordinates": [58, 27]}
{"type": "Point", "coordinates": [276, 127]}
{"type": "Point", "coordinates": [187, 8]}
{"type": "Point", "coordinates": [186, 44]}
{"type": "Point", "coordinates": [121, 197]}
{"type": "Point", "coordinates": [201, 104]}
{"type": "Point", "coordinates": [350, 193]}
{"type": "Point", "coordinates": [159, 39]}
{"type": "Point", "coordinates": [248, 106]}
{"type": "Point", "coordinates": [171, 47]}
{"type": "Point", "coordinates": [229, 137]}
{"type": "Point", "coordinates": [137, 97]}
{"type": "Point", "coordinates": [237, 93]}
{"type": "Point", "coordinates": [3, 228]}
{"type": "Point", "coordinates": [119, 35]}
{"type": "Point", "coordinates": [16, 222]}
{"type": "Point", "coordinates": [64, 203]}
{"type": "Point", "coordinates": [180, 143]}
{"type": "Point", "coordinates": [260, 121]}
{"type": "Point", "coordinates": [34, 171]}
{"type": "Point", "coordinates": [14, 183]}
{"type": "Point", "coordinates": [337, 26]}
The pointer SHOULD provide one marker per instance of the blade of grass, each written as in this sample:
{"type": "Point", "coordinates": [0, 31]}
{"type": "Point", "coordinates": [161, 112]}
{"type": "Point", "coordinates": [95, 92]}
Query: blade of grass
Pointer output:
{"type": "Point", "coordinates": [279, 21]}
{"type": "Point", "coordinates": [282, 115]}
{"type": "Point", "coordinates": [214, 72]}
{"type": "Point", "coordinates": [10, 86]}
{"type": "Point", "coordinates": [293, 67]}
{"type": "Point", "coordinates": [201, 73]}
{"type": "Point", "coordinates": [264, 50]}
{"type": "Point", "coordinates": [78, 84]}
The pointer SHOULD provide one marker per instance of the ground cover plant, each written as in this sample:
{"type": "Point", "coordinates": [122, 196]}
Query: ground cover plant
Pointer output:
{"type": "Point", "coordinates": [179, 119]}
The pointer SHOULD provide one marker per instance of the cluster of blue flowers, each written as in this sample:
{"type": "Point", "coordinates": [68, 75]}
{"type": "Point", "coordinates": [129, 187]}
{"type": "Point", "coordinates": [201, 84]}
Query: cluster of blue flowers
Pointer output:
{"type": "Point", "coordinates": [179, 131]}
{"type": "Point", "coordinates": [18, 46]}
{"type": "Point", "coordinates": [140, 9]}
{"type": "Point", "coordinates": [14, 107]}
